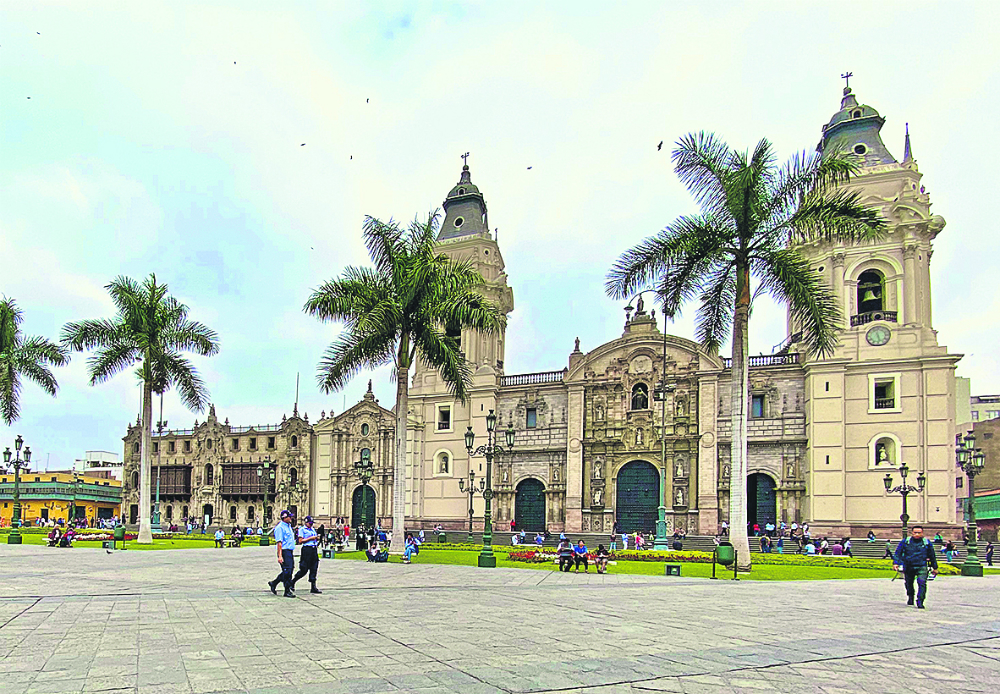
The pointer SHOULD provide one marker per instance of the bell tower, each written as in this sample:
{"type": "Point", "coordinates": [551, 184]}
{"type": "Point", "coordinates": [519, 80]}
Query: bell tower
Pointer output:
{"type": "Point", "coordinates": [887, 394]}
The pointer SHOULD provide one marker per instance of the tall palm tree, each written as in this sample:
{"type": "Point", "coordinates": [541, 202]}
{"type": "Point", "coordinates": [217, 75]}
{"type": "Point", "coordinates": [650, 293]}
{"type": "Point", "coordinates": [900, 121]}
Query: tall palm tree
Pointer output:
{"type": "Point", "coordinates": [23, 357]}
{"type": "Point", "coordinates": [753, 213]}
{"type": "Point", "coordinates": [152, 328]}
{"type": "Point", "coordinates": [412, 303]}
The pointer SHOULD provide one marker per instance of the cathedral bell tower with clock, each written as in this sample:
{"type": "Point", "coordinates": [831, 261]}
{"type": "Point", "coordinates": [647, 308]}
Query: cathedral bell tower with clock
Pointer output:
{"type": "Point", "coordinates": [887, 394]}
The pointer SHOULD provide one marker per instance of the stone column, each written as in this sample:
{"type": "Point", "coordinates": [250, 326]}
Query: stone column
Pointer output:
{"type": "Point", "coordinates": [707, 457]}
{"type": "Point", "coordinates": [838, 289]}
{"type": "Point", "coordinates": [574, 460]}
{"type": "Point", "coordinates": [910, 282]}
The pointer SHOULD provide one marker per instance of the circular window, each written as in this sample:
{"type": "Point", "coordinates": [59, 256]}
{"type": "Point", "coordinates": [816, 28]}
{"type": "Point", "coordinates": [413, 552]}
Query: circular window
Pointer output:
{"type": "Point", "coordinates": [860, 149]}
{"type": "Point", "coordinates": [459, 221]}
{"type": "Point", "coordinates": [821, 268]}
{"type": "Point", "coordinates": [364, 430]}
{"type": "Point", "coordinates": [461, 191]}
{"type": "Point", "coordinates": [486, 252]}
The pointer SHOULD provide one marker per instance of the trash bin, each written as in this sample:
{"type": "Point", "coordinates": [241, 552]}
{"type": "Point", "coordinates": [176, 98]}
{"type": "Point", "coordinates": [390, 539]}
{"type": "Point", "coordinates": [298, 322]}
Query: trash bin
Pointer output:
{"type": "Point", "coordinates": [329, 553]}
{"type": "Point", "coordinates": [725, 553]}
{"type": "Point", "coordinates": [443, 537]}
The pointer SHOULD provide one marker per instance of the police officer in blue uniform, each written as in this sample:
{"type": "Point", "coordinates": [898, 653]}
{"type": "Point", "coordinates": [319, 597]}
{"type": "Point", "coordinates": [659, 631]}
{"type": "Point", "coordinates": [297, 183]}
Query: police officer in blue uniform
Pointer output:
{"type": "Point", "coordinates": [309, 558]}
{"type": "Point", "coordinates": [284, 539]}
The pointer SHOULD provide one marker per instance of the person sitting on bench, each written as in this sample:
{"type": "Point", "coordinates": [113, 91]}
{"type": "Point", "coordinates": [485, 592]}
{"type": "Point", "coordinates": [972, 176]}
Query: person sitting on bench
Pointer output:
{"type": "Point", "coordinates": [565, 552]}
{"type": "Point", "coordinates": [580, 556]}
{"type": "Point", "coordinates": [54, 537]}
{"type": "Point", "coordinates": [601, 559]}
{"type": "Point", "coordinates": [372, 551]}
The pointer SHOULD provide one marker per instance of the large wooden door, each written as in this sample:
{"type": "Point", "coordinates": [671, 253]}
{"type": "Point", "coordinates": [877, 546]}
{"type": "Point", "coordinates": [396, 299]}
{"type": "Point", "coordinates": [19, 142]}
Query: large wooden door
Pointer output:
{"type": "Point", "coordinates": [762, 504]}
{"type": "Point", "coordinates": [529, 505]}
{"type": "Point", "coordinates": [637, 497]}
{"type": "Point", "coordinates": [368, 519]}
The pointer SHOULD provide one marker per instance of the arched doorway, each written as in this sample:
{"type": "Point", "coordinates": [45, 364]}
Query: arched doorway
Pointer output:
{"type": "Point", "coordinates": [207, 512]}
{"type": "Point", "coordinates": [529, 505]}
{"type": "Point", "coordinates": [357, 520]}
{"type": "Point", "coordinates": [637, 497]}
{"type": "Point", "coordinates": [762, 506]}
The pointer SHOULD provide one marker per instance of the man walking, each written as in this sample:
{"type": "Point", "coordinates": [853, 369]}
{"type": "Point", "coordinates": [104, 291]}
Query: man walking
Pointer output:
{"type": "Point", "coordinates": [912, 557]}
{"type": "Point", "coordinates": [284, 540]}
{"type": "Point", "coordinates": [309, 558]}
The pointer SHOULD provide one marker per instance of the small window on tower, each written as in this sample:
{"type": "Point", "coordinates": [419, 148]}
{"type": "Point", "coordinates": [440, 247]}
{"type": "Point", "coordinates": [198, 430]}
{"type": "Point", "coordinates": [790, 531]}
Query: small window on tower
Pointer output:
{"type": "Point", "coordinates": [856, 114]}
{"type": "Point", "coordinates": [459, 221]}
{"type": "Point", "coordinates": [860, 149]}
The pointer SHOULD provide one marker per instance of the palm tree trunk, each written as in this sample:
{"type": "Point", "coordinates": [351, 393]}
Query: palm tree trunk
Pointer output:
{"type": "Point", "coordinates": [738, 416]}
{"type": "Point", "coordinates": [145, 502]}
{"type": "Point", "coordinates": [399, 469]}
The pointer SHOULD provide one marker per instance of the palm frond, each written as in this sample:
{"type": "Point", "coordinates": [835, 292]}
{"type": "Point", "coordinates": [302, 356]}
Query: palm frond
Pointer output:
{"type": "Point", "coordinates": [718, 298]}
{"type": "Point", "coordinates": [111, 360]}
{"type": "Point", "coordinates": [350, 353]}
{"type": "Point", "coordinates": [789, 278]}
{"type": "Point", "coordinates": [174, 370]}
{"type": "Point", "coordinates": [383, 241]}
{"type": "Point", "coordinates": [10, 391]}
{"type": "Point", "coordinates": [442, 353]}
{"type": "Point", "coordinates": [836, 216]}
{"type": "Point", "coordinates": [191, 336]}
{"type": "Point", "coordinates": [701, 162]}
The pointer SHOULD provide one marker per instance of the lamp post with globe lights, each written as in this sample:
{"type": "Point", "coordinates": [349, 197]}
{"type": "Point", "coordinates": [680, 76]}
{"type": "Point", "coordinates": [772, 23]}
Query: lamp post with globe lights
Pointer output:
{"type": "Point", "coordinates": [365, 470]}
{"type": "Point", "coordinates": [16, 463]}
{"type": "Point", "coordinates": [266, 472]}
{"type": "Point", "coordinates": [471, 491]}
{"type": "Point", "coordinates": [904, 490]}
{"type": "Point", "coordinates": [489, 450]}
{"type": "Point", "coordinates": [971, 460]}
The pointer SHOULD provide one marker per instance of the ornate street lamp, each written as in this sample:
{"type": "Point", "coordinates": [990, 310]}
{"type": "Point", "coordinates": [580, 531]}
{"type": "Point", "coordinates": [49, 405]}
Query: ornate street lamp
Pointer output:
{"type": "Point", "coordinates": [17, 464]}
{"type": "Point", "coordinates": [365, 469]}
{"type": "Point", "coordinates": [71, 516]}
{"type": "Point", "coordinates": [160, 426]}
{"type": "Point", "coordinates": [904, 490]}
{"type": "Point", "coordinates": [471, 491]}
{"type": "Point", "coordinates": [971, 460]}
{"type": "Point", "coordinates": [490, 450]}
{"type": "Point", "coordinates": [266, 473]}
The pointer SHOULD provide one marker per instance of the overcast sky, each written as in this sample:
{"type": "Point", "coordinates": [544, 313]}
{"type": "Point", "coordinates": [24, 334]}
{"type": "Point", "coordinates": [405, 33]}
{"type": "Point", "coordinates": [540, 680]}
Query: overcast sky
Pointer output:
{"type": "Point", "coordinates": [166, 137]}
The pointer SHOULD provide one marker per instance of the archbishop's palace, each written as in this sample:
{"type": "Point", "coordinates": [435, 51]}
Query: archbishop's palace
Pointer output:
{"type": "Point", "coordinates": [823, 432]}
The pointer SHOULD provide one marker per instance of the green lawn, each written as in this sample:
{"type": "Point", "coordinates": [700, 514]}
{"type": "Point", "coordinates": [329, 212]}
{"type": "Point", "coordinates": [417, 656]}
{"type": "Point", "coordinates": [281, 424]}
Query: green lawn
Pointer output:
{"type": "Point", "coordinates": [180, 542]}
{"type": "Point", "coordinates": [761, 572]}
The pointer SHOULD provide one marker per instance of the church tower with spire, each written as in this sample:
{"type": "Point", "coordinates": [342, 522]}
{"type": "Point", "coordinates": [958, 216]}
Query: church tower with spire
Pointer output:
{"type": "Point", "coordinates": [887, 394]}
{"type": "Point", "coordinates": [436, 452]}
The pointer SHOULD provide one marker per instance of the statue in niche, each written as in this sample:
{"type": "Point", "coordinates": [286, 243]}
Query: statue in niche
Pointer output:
{"type": "Point", "coordinates": [791, 470]}
{"type": "Point", "coordinates": [598, 464]}
{"type": "Point", "coordinates": [638, 437]}
{"type": "Point", "coordinates": [881, 454]}
{"type": "Point", "coordinates": [680, 407]}
{"type": "Point", "coordinates": [555, 474]}
{"type": "Point", "coordinates": [725, 471]}
{"type": "Point", "coordinates": [679, 472]}
{"type": "Point", "coordinates": [505, 478]}
{"type": "Point", "coordinates": [599, 413]}
{"type": "Point", "coordinates": [679, 497]}
{"type": "Point", "coordinates": [598, 495]}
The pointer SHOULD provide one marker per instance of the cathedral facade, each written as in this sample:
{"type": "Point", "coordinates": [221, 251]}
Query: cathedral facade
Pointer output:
{"type": "Point", "coordinates": [640, 425]}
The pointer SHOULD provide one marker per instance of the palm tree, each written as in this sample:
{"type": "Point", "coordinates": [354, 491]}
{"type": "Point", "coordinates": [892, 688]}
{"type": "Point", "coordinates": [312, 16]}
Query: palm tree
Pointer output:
{"type": "Point", "coordinates": [753, 213]}
{"type": "Point", "coordinates": [151, 328]}
{"type": "Point", "coordinates": [23, 357]}
{"type": "Point", "coordinates": [415, 301]}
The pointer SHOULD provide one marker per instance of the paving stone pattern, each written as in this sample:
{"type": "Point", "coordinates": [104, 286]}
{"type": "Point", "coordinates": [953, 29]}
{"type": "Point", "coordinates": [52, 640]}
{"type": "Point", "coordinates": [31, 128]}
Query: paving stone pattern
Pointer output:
{"type": "Point", "coordinates": [198, 621]}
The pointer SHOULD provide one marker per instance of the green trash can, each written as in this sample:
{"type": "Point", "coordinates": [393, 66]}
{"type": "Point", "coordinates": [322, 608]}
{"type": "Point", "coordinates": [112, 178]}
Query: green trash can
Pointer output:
{"type": "Point", "coordinates": [725, 553]}
{"type": "Point", "coordinates": [265, 541]}
{"type": "Point", "coordinates": [119, 536]}
{"type": "Point", "coordinates": [443, 537]}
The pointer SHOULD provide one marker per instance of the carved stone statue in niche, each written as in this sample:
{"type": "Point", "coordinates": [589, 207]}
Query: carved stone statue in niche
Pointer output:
{"type": "Point", "coordinates": [506, 477]}
{"type": "Point", "coordinates": [599, 413]}
{"type": "Point", "coordinates": [598, 464]}
{"type": "Point", "coordinates": [679, 469]}
{"type": "Point", "coordinates": [555, 474]}
{"type": "Point", "coordinates": [791, 470]}
{"type": "Point", "coordinates": [679, 496]}
{"type": "Point", "coordinates": [881, 454]}
{"type": "Point", "coordinates": [680, 407]}
{"type": "Point", "coordinates": [638, 437]}
{"type": "Point", "coordinates": [598, 496]}
{"type": "Point", "coordinates": [725, 471]}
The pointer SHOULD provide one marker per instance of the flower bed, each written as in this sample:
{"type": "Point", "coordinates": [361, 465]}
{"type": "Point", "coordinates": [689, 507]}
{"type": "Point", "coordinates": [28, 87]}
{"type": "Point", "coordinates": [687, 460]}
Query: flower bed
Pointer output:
{"type": "Point", "coordinates": [534, 556]}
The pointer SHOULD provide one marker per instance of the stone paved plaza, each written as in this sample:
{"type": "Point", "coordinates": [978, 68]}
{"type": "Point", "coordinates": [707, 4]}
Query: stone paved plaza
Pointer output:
{"type": "Point", "coordinates": [192, 621]}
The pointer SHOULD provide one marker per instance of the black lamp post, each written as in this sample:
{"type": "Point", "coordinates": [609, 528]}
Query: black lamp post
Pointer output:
{"type": "Point", "coordinates": [904, 490]}
{"type": "Point", "coordinates": [161, 424]}
{"type": "Point", "coordinates": [490, 450]}
{"type": "Point", "coordinates": [71, 516]}
{"type": "Point", "coordinates": [971, 460]}
{"type": "Point", "coordinates": [17, 464]}
{"type": "Point", "coordinates": [366, 470]}
{"type": "Point", "coordinates": [471, 491]}
{"type": "Point", "coordinates": [266, 473]}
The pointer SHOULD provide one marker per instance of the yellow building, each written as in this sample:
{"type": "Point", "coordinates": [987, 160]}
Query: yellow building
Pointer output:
{"type": "Point", "coordinates": [46, 495]}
